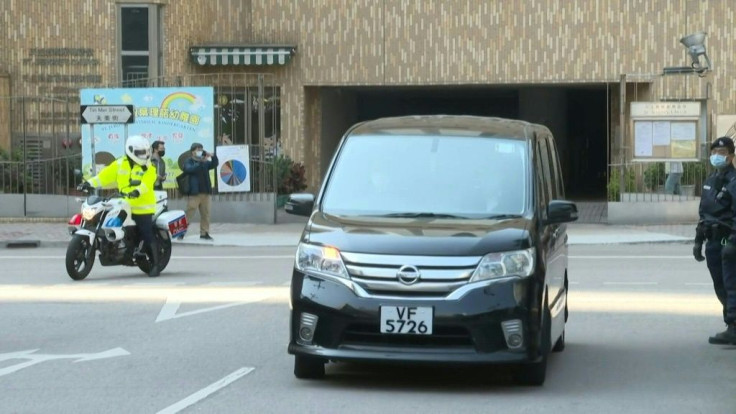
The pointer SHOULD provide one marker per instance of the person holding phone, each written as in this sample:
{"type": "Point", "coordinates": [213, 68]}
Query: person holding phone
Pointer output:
{"type": "Point", "coordinates": [198, 167]}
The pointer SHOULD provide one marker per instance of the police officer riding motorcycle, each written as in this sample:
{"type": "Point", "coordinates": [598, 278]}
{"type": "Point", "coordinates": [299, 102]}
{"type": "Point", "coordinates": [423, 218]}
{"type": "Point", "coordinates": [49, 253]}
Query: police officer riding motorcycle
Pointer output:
{"type": "Point", "coordinates": [134, 170]}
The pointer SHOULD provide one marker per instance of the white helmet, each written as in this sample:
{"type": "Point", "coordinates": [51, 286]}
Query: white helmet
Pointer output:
{"type": "Point", "coordinates": [138, 149]}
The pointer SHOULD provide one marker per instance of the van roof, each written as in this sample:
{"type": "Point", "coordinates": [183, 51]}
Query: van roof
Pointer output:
{"type": "Point", "coordinates": [450, 125]}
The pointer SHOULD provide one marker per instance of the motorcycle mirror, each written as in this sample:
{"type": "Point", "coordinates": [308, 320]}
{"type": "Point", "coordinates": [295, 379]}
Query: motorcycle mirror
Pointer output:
{"type": "Point", "coordinates": [134, 183]}
{"type": "Point", "coordinates": [77, 172]}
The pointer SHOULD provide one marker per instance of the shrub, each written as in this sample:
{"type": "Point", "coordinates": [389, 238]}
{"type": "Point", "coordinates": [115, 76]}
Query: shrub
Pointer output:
{"type": "Point", "coordinates": [614, 192]}
{"type": "Point", "coordinates": [11, 172]}
{"type": "Point", "coordinates": [654, 175]}
{"type": "Point", "coordinates": [291, 176]}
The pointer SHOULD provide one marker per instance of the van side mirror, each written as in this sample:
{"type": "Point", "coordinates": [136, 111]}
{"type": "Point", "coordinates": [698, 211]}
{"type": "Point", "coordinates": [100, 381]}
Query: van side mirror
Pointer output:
{"type": "Point", "coordinates": [300, 204]}
{"type": "Point", "coordinates": [561, 211]}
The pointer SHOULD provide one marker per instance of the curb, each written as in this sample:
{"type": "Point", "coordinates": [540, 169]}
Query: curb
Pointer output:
{"type": "Point", "coordinates": [21, 244]}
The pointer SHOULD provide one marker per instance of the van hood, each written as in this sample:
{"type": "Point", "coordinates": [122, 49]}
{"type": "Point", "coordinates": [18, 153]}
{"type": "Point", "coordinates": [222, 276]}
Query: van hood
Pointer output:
{"type": "Point", "coordinates": [418, 236]}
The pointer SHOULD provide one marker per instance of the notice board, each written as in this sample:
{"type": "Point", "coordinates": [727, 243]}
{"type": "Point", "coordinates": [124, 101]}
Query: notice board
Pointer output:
{"type": "Point", "coordinates": [666, 130]}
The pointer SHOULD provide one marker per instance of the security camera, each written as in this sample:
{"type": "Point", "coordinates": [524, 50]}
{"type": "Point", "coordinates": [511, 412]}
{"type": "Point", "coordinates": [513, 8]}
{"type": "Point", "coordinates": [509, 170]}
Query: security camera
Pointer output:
{"type": "Point", "coordinates": [695, 44]}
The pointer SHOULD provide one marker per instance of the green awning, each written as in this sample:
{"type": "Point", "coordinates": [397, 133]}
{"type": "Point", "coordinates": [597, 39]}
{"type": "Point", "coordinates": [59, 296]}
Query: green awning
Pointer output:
{"type": "Point", "coordinates": [241, 55]}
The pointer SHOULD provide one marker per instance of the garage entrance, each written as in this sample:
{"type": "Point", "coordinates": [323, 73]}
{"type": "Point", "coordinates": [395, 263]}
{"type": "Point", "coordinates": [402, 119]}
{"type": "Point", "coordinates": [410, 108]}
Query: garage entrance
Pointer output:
{"type": "Point", "coordinates": [576, 115]}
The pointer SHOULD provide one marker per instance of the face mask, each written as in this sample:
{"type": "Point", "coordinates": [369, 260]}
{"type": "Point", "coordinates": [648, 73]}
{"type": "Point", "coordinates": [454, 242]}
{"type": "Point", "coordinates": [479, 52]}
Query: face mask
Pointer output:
{"type": "Point", "coordinates": [198, 154]}
{"type": "Point", "coordinates": [718, 160]}
{"type": "Point", "coordinates": [161, 153]}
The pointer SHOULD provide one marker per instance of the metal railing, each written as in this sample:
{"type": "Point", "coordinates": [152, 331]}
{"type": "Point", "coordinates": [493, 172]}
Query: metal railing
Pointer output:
{"type": "Point", "coordinates": [653, 182]}
{"type": "Point", "coordinates": [54, 176]}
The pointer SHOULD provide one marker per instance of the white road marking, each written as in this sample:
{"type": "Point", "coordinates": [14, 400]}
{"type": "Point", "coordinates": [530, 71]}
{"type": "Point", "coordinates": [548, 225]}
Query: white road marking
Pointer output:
{"type": "Point", "coordinates": [154, 284]}
{"type": "Point", "coordinates": [207, 391]}
{"type": "Point", "coordinates": [190, 294]}
{"type": "Point", "coordinates": [170, 308]}
{"type": "Point", "coordinates": [631, 283]}
{"type": "Point", "coordinates": [699, 284]}
{"type": "Point", "coordinates": [254, 283]}
{"type": "Point", "coordinates": [33, 358]}
{"type": "Point", "coordinates": [689, 304]}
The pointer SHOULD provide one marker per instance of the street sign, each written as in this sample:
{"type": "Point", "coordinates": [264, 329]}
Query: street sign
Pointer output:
{"type": "Point", "coordinates": [107, 114]}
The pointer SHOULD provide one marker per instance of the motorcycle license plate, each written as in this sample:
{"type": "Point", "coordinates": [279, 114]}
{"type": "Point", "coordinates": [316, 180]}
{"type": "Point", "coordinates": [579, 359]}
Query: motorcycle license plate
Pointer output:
{"type": "Point", "coordinates": [178, 227]}
{"type": "Point", "coordinates": [411, 320]}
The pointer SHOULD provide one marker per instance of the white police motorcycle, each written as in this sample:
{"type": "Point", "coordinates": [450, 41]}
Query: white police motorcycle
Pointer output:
{"type": "Point", "coordinates": [105, 224]}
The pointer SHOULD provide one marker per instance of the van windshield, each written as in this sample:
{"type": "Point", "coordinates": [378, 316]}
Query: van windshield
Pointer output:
{"type": "Point", "coordinates": [429, 176]}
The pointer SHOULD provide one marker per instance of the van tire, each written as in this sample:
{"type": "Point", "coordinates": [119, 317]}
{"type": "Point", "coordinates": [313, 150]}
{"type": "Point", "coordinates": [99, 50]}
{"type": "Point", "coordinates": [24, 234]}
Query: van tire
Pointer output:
{"type": "Point", "coordinates": [535, 373]}
{"type": "Point", "coordinates": [308, 367]}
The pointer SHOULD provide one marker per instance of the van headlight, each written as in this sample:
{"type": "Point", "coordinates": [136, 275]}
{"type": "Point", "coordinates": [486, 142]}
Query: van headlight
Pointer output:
{"type": "Point", "coordinates": [320, 259]}
{"type": "Point", "coordinates": [495, 265]}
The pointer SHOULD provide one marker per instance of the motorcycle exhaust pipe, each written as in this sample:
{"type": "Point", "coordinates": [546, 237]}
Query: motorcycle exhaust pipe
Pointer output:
{"type": "Point", "coordinates": [113, 235]}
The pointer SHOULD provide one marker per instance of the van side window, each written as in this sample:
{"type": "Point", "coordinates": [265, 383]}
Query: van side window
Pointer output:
{"type": "Point", "coordinates": [547, 169]}
{"type": "Point", "coordinates": [557, 171]}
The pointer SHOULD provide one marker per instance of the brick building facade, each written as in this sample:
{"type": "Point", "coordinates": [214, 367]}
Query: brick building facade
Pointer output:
{"type": "Point", "coordinates": [539, 60]}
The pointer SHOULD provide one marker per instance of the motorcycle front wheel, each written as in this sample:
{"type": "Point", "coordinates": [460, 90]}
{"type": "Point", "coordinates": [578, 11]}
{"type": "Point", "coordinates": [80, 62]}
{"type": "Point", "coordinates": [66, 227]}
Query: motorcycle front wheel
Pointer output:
{"type": "Point", "coordinates": [79, 257]}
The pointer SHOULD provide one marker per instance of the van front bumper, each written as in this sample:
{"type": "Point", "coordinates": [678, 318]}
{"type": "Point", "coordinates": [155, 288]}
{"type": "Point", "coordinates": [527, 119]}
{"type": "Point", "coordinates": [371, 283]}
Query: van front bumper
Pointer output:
{"type": "Point", "coordinates": [466, 329]}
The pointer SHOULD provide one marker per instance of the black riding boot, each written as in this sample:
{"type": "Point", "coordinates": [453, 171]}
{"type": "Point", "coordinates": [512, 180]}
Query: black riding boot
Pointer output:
{"type": "Point", "coordinates": [156, 261]}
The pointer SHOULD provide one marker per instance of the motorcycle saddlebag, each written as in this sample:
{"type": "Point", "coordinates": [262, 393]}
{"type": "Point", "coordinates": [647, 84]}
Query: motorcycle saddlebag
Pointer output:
{"type": "Point", "coordinates": [175, 221]}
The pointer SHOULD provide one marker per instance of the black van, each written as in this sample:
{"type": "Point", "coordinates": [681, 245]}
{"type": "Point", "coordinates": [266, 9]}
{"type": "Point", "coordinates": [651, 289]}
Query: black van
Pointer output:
{"type": "Point", "coordinates": [434, 239]}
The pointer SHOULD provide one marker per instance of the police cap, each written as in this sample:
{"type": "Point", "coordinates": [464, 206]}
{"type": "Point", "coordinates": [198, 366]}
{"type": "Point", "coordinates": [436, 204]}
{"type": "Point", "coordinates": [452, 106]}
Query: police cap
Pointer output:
{"type": "Point", "coordinates": [723, 142]}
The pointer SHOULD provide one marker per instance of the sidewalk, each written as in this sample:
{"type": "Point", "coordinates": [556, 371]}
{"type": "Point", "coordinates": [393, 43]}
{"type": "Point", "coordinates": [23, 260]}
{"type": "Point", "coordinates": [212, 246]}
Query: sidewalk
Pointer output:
{"type": "Point", "coordinates": [54, 233]}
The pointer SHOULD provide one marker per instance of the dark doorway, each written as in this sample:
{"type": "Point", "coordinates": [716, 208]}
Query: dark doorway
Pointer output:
{"type": "Point", "coordinates": [576, 115]}
{"type": "Point", "coordinates": [459, 100]}
{"type": "Point", "coordinates": [587, 143]}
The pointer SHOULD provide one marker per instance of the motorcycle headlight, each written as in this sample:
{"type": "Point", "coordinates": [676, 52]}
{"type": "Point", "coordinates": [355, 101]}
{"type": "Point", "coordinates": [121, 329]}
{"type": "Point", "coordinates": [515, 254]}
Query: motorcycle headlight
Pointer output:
{"type": "Point", "coordinates": [320, 259]}
{"type": "Point", "coordinates": [496, 265]}
{"type": "Point", "coordinates": [88, 213]}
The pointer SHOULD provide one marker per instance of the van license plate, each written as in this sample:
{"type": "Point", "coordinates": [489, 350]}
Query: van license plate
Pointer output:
{"type": "Point", "coordinates": [412, 320]}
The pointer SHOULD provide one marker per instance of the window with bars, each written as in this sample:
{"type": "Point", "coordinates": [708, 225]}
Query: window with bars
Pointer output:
{"type": "Point", "coordinates": [139, 43]}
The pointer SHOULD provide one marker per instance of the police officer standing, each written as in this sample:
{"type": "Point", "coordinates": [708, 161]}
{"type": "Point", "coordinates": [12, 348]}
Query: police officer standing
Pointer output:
{"type": "Point", "coordinates": [717, 227]}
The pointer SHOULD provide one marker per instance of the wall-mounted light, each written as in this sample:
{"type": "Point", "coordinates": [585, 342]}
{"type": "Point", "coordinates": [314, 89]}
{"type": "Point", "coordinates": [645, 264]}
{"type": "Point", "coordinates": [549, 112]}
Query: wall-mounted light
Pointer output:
{"type": "Point", "coordinates": [695, 44]}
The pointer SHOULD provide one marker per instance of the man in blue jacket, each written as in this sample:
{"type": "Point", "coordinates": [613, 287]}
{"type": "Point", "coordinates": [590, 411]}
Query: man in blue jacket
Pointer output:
{"type": "Point", "coordinates": [198, 167]}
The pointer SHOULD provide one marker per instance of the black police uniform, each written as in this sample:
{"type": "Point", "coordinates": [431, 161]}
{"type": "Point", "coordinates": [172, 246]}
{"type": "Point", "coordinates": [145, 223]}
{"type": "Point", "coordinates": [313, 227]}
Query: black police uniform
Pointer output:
{"type": "Point", "coordinates": [717, 227]}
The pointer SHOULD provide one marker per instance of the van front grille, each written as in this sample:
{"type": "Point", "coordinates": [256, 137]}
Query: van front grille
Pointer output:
{"type": "Point", "coordinates": [438, 276]}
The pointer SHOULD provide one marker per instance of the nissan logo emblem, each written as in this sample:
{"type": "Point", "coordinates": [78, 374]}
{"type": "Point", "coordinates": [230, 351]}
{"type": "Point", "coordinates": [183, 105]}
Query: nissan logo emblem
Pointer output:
{"type": "Point", "coordinates": [408, 275]}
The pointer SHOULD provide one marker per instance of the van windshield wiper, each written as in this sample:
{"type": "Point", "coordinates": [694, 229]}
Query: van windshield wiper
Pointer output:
{"type": "Point", "coordinates": [423, 215]}
{"type": "Point", "coordinates": [501, 216]}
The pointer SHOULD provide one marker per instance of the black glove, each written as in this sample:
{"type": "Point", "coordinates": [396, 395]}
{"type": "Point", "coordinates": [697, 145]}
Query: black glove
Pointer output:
{"type": "Point", "coordinates": [729, 251]}
{"type": "Point", "coordinates": [84, 187]}
{"type": "Point", "coordinates": [134, 194]}
{"type": "Point", "coordinates": [698, 252]}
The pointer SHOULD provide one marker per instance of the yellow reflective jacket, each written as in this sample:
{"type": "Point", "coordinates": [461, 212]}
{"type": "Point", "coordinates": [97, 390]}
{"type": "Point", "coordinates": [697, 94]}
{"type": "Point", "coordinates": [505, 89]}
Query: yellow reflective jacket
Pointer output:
{"type": "Point", "coordinates": [122, 171]}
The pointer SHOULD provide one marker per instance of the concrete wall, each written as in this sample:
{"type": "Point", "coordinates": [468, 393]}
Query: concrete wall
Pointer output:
{"type": "Point", "coordinates": [661, 212]}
